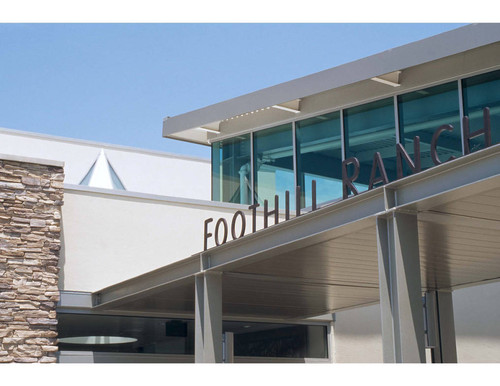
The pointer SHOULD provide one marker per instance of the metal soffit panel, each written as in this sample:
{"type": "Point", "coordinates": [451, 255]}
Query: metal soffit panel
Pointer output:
{"type": "Point", "coordinates": [318, 267]}
{"type": "Point", "coordinates": [460, 241]}
{"type": "Point", "coordinates": [176, 299]}
{"type": "Point", "coordinates": [482, 206]}
{"type": "Point", "coordinates": [294, 299]}
{"type": "Point", "coordinates": [347, 260]}
{"type": "Point", "coordinates": [455, 250]}
{"type": "Point", "coordinates": [310, 281]}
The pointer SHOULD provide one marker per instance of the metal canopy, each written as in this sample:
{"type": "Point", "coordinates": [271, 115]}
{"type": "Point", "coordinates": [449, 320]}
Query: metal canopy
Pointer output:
{"type": "Point", "coordinates": [326, 260]}
{"type": "Point", "coordinates": [199, 126]}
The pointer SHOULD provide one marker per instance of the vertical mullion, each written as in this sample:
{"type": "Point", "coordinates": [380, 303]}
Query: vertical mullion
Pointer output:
{"type": "Point", "coordinates": [220, 155]}
{"type": "Point", "coordinates": [252, 179]}
{"type": "Point", "coordinates": [396, 119]}
{"type": "Point", "coordinates": [295, 176]}
{"type": "Point", "coordinates": [212, 172]}
{"type": "Point", "coordinates": [342, 135]}
{"type": "Point", "coordinates": [461, 109]}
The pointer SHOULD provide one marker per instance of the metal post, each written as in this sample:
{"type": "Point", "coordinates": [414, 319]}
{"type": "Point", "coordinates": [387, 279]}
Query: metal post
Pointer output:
{"type": "Point", "coordinates": [400, 289]}
{"type": "Point", "coordinates": [294, 148]}
{"type": "Point", "coordinates": [208, 318]}
{"type": "Point", "coordinates": [441, 326]}
{"type": "Point", "coordinates": [331, 340]}
{"type": "Point", "coordinates": [198, 318]}
{"type": "Point", "coordinates": [252, 171]}
{"type": "Point", "coordinates": [342, 135]}
{"type": "Point", "coordinates": [228, 347]}
{"type": "Point", "coordinates": [396, 119]}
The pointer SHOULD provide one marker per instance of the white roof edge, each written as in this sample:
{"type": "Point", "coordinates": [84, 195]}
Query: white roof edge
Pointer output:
{"type": "Point", "coordinates": [425, 50]}
{"type": "Point", "coordinates": [154, 197]}
{"type": "Point", "coordinates": [110, 146]}
{"type": "Point", "coordinates": [30, 160]}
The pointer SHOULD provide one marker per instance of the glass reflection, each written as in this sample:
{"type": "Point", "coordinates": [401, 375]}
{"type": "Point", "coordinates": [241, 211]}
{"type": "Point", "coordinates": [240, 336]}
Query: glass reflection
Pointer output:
{"type": "Point", "coordinates": [319, 157]}
{"type": "Point", "coordinates": [231, 171]}
{"type": "Point", "coordinates": [421, 113]}
{"type": "Point", "coordinates": [479, 92]}
{"type": "Point", "coordinates": [176, 336]}
{"type": "Point", "coordinates": [370, 128]}
{"type": "Point", "coordinates": [273, 165]}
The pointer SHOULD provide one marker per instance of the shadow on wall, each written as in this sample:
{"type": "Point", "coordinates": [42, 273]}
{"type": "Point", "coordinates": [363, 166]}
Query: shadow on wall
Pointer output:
{"type": "Point", "coordinates": [477, 323]}
{"type": "Point", "coordinates": [62, 258]}
{"type": "Point", "coordinates": [358, 335]}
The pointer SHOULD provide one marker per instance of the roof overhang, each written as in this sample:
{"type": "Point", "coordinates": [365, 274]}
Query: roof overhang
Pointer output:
{"type": "Point", "coordinates": [325, 261]}
{"type": "Point", "coordinates": [379, 74]}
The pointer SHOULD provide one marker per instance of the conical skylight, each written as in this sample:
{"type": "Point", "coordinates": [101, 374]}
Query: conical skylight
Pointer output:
{"type": "Point", "coordinates": [102, 175]}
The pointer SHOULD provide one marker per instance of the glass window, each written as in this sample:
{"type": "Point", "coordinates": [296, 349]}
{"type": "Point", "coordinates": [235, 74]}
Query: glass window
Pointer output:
{"type": "Point", "coordinates": [273, 165]}
{"type": "Point", "coordinates": [131, 334]}
{"type": "Point", "coordinates": [231, 172]}
{"type": "Point", "coordinates": [278, 340]}
{"type": "Point", "coordinates": [479, 92]}
{"type": "Point", "coordinates": [319, 157]}
{"type": "Point", "coordinates": [421, 113]}
{"type": "Point", "coordinates": [370, 128]}
{"type": "Point", "coordinates": [140, 335]}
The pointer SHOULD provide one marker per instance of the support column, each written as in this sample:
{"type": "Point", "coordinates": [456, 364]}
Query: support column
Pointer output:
{"type": "Point", "coordinates": [198, 318]}
{"type": "Point", "coordinates": [331, 340]}
{"type": "Point", "coordinates": [441, 326]}
{"type": "Point", "coordinates": [208, 318]}
{"type": "Point", "coordinates": [400, 289]}
{"type": "Point", "coordinates": [228, 347]}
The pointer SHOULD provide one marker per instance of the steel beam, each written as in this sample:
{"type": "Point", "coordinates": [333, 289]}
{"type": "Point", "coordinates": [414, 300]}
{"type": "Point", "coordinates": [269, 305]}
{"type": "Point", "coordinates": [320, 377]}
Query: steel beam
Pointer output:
{"type": "Point", "coordinates": [321, 225]}
{"type": "Point", "coordinates": [146, 284]}
{"type": "Point", "coordinates": [463, 172]}
{"type": "Point", "coordinates": [400, 289]}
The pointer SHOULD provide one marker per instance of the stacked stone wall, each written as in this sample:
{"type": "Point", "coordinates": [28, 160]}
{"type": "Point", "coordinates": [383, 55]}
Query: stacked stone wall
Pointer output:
{"type": "Point", "coordinates": [31, 196]}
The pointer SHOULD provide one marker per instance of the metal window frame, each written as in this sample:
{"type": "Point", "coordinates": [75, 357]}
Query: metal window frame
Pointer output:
{"type": "Point", "coordinates": [396, 119]}
{"type": "Point", "coordinates": [252, 169]}
{"type": "Point", "coordinates": [342, 135]}
{"type": "Point", "coordinates": [341, 109]}
{"type": "Point", "coordinates": [295, 158]}
{"type": "Point", "coordinates": [461, 112]}
{"type": "Point", "coordinates": [358, 103]}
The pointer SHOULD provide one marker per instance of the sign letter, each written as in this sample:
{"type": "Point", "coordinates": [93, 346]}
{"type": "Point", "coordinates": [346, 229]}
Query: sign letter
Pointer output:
{"type": "Point", "coordinates": [233, 225]}
{"type": "Point", "coordinates": [401, 153]}
{"type": "Point", "coordinates": [254, 216]}
{"type": "Point", "coordinates": [377, 162]}
{"type": "Point", "coordinates": [220, 221]}
{"type": "Point", "coordinates": [486, 131]}
{"type": "Point", "coordinates": [347, 182]}
{"type": "Point", "coordinates": [206, 234]}
{"type": "Point", "coordinates": [435, 137]}
{"type": "Point", "coordinates": [275, 211]}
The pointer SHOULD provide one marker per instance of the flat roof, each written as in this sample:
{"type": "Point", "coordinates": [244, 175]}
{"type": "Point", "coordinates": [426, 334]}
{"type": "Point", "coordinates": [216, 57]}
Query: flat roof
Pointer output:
{"type": "Point", "coordinates": [200, 125]}
{"type": "Point", "coordinates": [102, 145]}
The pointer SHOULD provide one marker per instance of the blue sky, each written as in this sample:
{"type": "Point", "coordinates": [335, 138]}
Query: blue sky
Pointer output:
{"type": "Point", "coordinates": [115, 83]}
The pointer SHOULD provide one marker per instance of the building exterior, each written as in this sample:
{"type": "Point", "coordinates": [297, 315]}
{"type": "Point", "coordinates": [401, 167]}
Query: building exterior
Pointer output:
{"type": "Point", "coordinates": [352, 215]}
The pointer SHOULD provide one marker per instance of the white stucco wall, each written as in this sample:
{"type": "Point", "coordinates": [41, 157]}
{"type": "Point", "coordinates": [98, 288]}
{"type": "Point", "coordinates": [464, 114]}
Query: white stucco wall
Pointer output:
{"type": "Point", "coordinates": [477, 323]}
{"type": "Point", "coordinates": [358, 336]}
{"type": "Point", "coordinates": [140, 170]}
{"type": "Point", "coordinates": [108, 237]}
